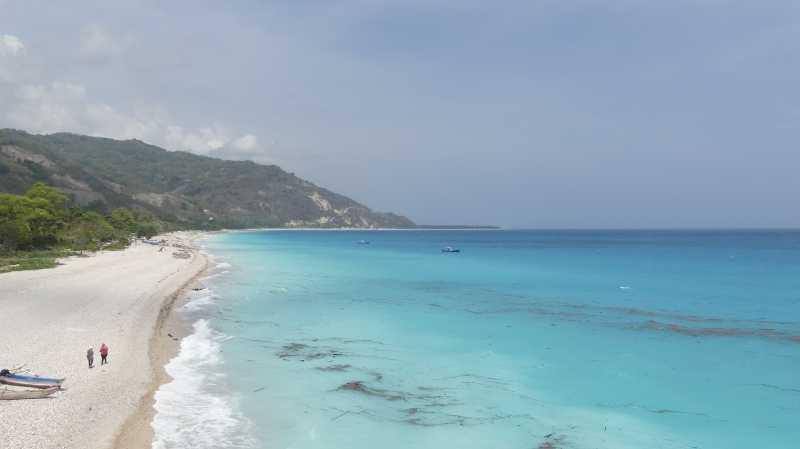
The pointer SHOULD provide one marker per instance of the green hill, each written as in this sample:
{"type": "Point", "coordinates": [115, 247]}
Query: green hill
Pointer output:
{"type": "Point", "coordinates": [179, 187]}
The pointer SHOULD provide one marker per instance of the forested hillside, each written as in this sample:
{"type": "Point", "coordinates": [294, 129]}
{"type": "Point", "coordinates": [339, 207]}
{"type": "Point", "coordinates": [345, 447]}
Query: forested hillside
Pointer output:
{"type": "Point", "coordinates": [180, 188]}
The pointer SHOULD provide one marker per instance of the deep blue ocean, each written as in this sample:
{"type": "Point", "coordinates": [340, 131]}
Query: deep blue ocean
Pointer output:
{"type": "Point", "coordinates": [523, 340]}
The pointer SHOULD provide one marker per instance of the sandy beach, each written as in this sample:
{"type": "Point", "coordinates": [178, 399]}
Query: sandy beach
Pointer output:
{"type": "Point", "coordinates": [50, 317]}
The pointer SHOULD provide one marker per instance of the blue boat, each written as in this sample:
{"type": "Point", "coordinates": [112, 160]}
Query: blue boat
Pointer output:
{"type": "Point", "coordinates": [21, 380]}
{"type": "Point", "coordinates": [450, 249]}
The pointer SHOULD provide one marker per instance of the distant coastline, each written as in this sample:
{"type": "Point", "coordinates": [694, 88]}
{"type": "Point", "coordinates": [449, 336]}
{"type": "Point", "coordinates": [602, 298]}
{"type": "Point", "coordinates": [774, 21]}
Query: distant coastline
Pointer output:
{"type": "Point", "coordinates": [456, 227]}
{"type": "Point", "coordinates": [353, 229]}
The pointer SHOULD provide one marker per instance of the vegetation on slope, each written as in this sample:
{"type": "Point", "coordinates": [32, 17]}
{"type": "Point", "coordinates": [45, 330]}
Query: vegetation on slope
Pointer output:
{"type": "Point", "coordinates": [41, 225]}
{"type": "Point", "coordinates": [185, 189]}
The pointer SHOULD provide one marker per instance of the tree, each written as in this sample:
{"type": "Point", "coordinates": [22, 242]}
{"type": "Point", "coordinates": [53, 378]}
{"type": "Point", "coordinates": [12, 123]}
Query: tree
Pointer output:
{"type": "Point", "coordinates": [123, 220]}
{"type": "Point", "coordinates": [57, 201]}
{"type": "Point", "coordinates": [147, 230]}
{"type": "Point", "coordinates": [40, 219]}
{"type": "Point", "coordinates": [45, 210]}
{"type": "Point", "coordinates": [14, 234]}
{"type": "Point", "coordinates": [26, 222]}
{"type": "Point", "coordinates": [88, 231]}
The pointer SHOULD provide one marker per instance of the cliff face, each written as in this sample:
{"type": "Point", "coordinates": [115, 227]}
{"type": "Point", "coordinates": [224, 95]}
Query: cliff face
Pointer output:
{"type": "Point", "coordinates": [176, 186]}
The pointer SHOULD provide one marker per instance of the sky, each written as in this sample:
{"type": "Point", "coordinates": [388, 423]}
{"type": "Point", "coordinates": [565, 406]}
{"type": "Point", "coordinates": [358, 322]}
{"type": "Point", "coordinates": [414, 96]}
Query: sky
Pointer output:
{"type": "Point", "coordinates": [535, 113]}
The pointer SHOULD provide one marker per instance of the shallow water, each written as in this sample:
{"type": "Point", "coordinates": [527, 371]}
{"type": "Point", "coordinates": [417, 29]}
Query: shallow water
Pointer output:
{"type": "Point", "coordinates": [523, 340]}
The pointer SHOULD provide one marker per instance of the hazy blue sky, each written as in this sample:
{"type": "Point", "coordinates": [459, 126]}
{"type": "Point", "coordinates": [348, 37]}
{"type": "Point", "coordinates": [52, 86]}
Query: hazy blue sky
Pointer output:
{"type": "Point", "coordinates": [552, 113]}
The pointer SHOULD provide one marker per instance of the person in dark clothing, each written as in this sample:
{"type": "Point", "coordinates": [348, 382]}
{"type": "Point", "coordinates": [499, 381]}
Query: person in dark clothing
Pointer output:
{"type": "Point", "coordinates": [103, 354]}
{"type": "Point", "coordinates": [90, 357]}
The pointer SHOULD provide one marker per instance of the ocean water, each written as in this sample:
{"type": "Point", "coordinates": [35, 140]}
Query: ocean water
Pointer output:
{"type": "Point", "coordinates": [524, 339]}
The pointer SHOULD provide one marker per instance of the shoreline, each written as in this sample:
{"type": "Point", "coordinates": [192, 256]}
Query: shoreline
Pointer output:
{"type": "Point", "coordinates": [137, 431]}
{"type": "Point", "coordinates": [124, 298]}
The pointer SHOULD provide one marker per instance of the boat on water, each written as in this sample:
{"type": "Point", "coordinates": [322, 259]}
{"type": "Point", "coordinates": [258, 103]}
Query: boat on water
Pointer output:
{"type": "Point", "coordinates": [450, 249]}
{"type": "Point", "coordinates": [10, 395]}
{"type": "Point", "coordinates": [20, 380]}
{"type": "Point", "coordinates": [363, 242]}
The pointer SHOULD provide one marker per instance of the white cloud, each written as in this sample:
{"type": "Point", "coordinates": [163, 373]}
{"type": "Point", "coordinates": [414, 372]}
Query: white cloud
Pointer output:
{"type": "Point", "coordinates": [11, 52]}
{"type": "Point", "coordinates": [60, 106]}
{"type": "Point", "coordinates": [35, 99]}
{"type": "Point", "coordinates": [10, 45]}
{"type": "Point", "coordinates": [247, 142]}
{"type": "Point", "coordinates": [45, 107]}
{"type": "Point", "coordinates": [202, 140]}
{"type": "Point", "coordinates": [55, 106]}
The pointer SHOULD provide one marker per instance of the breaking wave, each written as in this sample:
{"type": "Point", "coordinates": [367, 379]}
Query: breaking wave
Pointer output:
{"type": "Point", "coordinates": [192, 410]}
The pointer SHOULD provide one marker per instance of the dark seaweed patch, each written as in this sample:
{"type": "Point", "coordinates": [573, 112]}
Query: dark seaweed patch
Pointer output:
{"type": "Point", "coordinates": [653, 325]}
{"type": "Point", "coordinates": [334, 368]}
{"type": "Point", "coordinates": [552, 442]}
{"type": "Point", "coordinates": [358, 386]}
{"type": "Point", "coordinates": [305, 352]}
{"type": "Point", "coordinates": [775, 387]}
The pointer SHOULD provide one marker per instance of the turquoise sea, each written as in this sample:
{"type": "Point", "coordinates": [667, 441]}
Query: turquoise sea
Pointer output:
{"type": "Point", "coordinates": [523, 340]}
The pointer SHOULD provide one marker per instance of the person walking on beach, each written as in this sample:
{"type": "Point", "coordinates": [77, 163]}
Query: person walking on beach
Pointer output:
{"type": "Point", "coordinates": [103, 354]}
{"type": "Point", "coordinates": [90, 357]}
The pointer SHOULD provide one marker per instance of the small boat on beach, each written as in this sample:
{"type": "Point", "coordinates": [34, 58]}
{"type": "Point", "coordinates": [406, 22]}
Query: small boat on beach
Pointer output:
{"type": "Point", "coordinates": [10, 395]}
{"type": "Point", "coordinates": [20, 380]}
{"type": "Point", "coordinates": [450, 249]}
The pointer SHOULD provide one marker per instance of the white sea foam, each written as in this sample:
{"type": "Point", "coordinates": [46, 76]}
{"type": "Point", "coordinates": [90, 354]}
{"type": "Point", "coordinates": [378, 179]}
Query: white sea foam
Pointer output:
{"type": "Point", "coordinates": [217, 270]}
{"type": "Point", "coordinates": [210, 257]}
{"type": "Point", "coordinates": [192, 411]}
{"type": "Point", "coordinates": [212, 276]}
{"type": "Point", "coordinates": [200, 300]}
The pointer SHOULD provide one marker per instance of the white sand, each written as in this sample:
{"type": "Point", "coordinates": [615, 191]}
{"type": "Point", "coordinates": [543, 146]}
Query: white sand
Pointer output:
{"type": "Point", "coordinates": [48, 318]}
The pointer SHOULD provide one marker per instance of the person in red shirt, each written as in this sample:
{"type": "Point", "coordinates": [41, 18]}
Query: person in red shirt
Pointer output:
{"type": "Point", "coordinates": [103, 354]}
